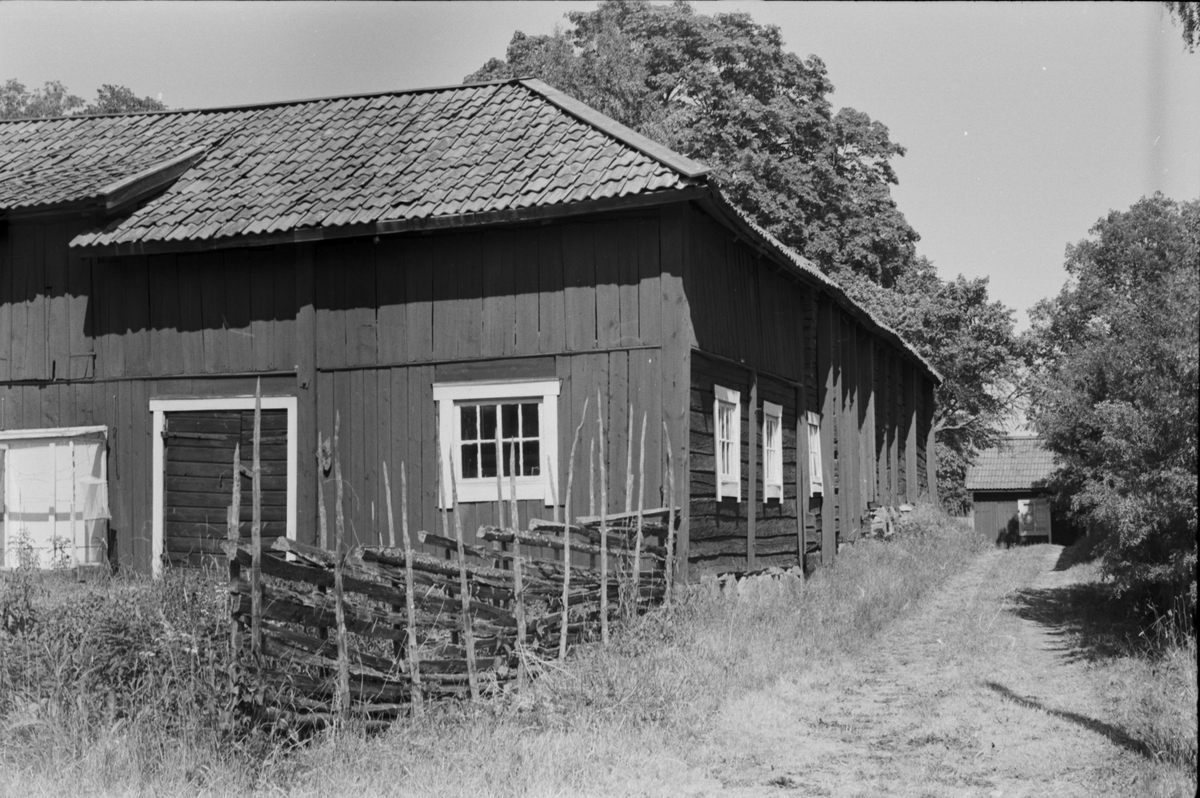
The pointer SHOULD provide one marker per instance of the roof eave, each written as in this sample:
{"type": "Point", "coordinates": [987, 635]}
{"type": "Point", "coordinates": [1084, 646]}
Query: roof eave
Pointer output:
{"type": "Point", "coordinates": [714, 200]}
{"type": "Point", "coordinates": [426, 224]}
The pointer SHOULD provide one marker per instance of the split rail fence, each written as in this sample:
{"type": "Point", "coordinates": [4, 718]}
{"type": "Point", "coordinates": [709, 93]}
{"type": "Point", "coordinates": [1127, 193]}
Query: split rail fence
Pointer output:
{"type": "Point", "coordinates": [376, 631]}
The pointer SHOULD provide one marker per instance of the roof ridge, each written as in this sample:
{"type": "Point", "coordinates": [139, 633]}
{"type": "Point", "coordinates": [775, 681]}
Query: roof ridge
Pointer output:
{"type": "Point", "coordinates": [272, 103]}
{"type": "Point", "coordinates": [611, 127]}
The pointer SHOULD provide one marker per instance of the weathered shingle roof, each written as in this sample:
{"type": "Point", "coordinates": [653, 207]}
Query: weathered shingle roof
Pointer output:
{"type": "Point", "coordinates": [1018, 463]}
{"type": "Point", "coordinates": [329, 163]}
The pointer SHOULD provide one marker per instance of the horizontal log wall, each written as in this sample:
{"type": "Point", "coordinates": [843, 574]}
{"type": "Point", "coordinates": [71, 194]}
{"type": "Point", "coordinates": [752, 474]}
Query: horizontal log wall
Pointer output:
{"type": "Point", "coordinates": [720, 530]}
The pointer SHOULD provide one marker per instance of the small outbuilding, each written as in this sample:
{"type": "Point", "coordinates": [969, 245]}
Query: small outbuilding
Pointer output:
{"type": "Point", "coordinates": [1010, 490]}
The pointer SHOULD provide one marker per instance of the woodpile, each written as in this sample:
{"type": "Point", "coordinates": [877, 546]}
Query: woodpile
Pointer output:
{"type": "Point", "coordinates": [376, 631]}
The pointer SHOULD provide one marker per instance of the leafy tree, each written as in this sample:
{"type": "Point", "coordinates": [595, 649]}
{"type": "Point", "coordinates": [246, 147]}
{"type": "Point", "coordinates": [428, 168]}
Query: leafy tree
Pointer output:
{"type": "Point", "coordinates": [971, 340]}
{"type": "Point", "coordinates": [17, 102]}
{"type": "Point", "coordinates": [1116, 388]}
{"type": "Point", "coordinates": [721, 89]}
{"type": "Point", "coordinates": [53, 99]}
{"type": "Point", "coordinates": [1188, 16]}
{"type": "Point", "coordinates": [112, 99]}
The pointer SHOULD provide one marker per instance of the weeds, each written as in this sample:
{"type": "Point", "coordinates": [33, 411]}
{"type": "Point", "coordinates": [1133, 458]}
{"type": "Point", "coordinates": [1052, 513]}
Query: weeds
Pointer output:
{"type": "Point", "coordinates": [121, 683]}
{"type": "Point", "coordinates": [127, 674]}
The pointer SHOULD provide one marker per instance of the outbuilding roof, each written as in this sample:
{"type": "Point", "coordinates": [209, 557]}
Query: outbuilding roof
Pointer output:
{"type": "Point", "coordinates": [1017, 463]}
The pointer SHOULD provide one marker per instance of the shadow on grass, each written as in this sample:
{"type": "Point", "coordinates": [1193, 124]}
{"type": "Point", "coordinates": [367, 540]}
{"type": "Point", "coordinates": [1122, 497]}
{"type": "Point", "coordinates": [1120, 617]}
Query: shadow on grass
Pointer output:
{"type": "Point", "coordinates": [1083, 551]}
{"type": "Point", "coordinates": [1086, 616]}
{"type": "Point", "coordinates": [1115, 734]}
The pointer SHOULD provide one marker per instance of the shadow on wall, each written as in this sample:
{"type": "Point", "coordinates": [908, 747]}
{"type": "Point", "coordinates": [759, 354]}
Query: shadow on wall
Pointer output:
{"type": "Point", "coordinates": [1009, 535]}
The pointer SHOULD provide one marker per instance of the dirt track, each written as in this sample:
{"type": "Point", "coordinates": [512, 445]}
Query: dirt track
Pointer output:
{"type": "Point", "coordinates": [975, 694]}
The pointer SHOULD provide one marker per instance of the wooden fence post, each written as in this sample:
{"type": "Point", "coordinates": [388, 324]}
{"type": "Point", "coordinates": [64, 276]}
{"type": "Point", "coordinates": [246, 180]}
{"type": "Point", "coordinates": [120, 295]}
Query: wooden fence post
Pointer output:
{"type": "Point", "coordinates": [464, 591]}
{"type": "Point", "coordinates": [321, 517]}
{"type": "Point", "coordinates": [518, 588]}
{"type": "Point", "coordinates": [669, 561]}
{"type": "Point", "coordinates": [637, 548]}
{"type": "Point", "coordinates": [414, 668]}
{"type": "Point", "coordinates": [233, 534]}
{"type": "Point", "coordinates": [256, 529]}
{"type": "Point", "coordinates": [603, 527]}
{"type": "Point", "coordinates": [566, 585]}
{"type": "Point", "coordinates": [343, 693]}
{"type": "Point", "coordinates": [629, 464]}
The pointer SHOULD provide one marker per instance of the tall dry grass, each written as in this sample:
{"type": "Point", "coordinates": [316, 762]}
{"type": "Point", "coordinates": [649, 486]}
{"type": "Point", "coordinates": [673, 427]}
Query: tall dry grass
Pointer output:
{"type": "Point", "coordinates": [118, 685]}
{"type": "Point", "coordinates": [116, 682]}
{"type": "Point", "coordinates": [618, 719]}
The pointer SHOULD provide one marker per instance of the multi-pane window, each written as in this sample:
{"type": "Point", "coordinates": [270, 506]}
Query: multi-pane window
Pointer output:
{"type": "Point", "coordinates": [727, 433]}
{"type": "Point", "coordinates": [516, 426]}
{"type": "Point", "coordinates": [815, 481]}
{"type": "Point", "coordinates": [484, 425]}
{"type": "Point", "coordinates": [772, 437]}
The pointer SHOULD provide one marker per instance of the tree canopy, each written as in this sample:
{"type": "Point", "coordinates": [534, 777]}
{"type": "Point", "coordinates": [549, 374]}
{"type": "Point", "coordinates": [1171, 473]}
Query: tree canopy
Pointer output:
{"type": "Point", "coordinates": [1116, 387]}
{"type": "Point", "coordinates": [1187, 13]}
{"type": "Point", "coordinates": [53, 99]}
{"type": "Point", "coordinates": [721, 89]}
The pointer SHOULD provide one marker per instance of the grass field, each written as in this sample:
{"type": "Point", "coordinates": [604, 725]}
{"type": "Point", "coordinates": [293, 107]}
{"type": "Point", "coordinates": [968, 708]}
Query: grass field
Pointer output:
{"type": "Point", "coordinates": [116, 687]}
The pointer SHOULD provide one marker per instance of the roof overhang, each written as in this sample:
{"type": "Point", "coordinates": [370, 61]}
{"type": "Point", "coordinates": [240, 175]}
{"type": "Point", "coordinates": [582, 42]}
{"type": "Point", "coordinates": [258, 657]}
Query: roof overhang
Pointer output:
{"type": "Point", "coordinates": [117, 195]}
{"type": "Point", "coordinates": [427, 224]}
{"type": "Point", "coordinates": [804, 270]}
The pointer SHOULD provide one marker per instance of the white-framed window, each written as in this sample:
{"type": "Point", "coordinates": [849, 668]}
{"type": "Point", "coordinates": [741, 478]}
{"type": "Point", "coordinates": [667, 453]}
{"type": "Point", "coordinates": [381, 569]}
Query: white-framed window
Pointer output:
{"type": "Point", "coordinates": [522, 415]}
{"type": "Point", "coordinates": [816, 484]}
{"type": "Point", "coordinates": [772, 438]}
{"type": "Point", "coordinates": [727, 433]}
{"type": "Point", "coordinates": [53, 497]}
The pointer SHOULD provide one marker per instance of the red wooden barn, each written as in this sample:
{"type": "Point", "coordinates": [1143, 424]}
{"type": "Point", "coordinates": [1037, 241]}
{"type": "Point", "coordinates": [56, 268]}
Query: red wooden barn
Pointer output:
{"type": "Point", "coordinates": [435, 268]}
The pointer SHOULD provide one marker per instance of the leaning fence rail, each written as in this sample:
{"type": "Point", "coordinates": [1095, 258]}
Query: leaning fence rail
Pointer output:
{"type": "Point", "coordinates": [411, 627]}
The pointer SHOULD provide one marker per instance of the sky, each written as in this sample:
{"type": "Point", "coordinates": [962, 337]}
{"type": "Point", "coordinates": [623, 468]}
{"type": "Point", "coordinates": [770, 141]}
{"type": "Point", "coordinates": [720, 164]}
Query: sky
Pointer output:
{"type": "Point", "coordinates": [1024, 123]}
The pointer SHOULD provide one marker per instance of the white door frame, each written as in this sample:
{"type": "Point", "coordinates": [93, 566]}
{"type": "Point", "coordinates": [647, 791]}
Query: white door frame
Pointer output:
{"type": "Point", "coordinates": [160, 407]}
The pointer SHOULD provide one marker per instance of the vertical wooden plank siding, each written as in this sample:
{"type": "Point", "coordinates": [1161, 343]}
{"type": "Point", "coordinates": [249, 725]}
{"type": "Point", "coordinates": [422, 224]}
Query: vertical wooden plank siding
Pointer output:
{"type": "Point", "coordinates": [237, 311]}
{"type": "Point", "coordinates": [191, 313]}
{"type": "Point", "coordinates": [358, 275]}
{"type": "Point", "coordinates": [302, 261]}
{"type": "Point", "coordinates": [525, 282]}
{"type": "Point", "coordinates": [7, 268]}
{"type": "Point", "coordinates": [664, 258]}
{"type": "Point", "coordinates": [418, 285]}
{"type": "Point", "coordinates": [931, 442]}
{"type": "Point", "coordinates": [851, 451]}
{"type": "Point", "coordinates": [499, 320]}
{"type": "Point", "coordinates": [828, 419]}
{"type": "Point", "coordinates": [752, 493]}
{"type": "Point", "coordinates": [551, 309]}
{"type": "Point", "coordinates": [261, 267]}
{"type": "Point", "coordinates": [895, 397]}
{"type": "Point", "coordinates": [609, 247]}
{"type": "Point", "coordinates": [392, 317]}
{"type": "Point", "coordinates": [579, 291]}
{"type": "Point", "coordinates": [58, 323]}
{"type": "Point", "coordinates": [910, 392]}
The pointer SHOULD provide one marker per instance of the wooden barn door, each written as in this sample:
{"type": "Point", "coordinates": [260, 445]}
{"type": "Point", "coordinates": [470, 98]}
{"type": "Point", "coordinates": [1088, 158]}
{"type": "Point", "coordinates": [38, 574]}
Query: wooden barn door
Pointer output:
{"type": "Point", "coordinates": [198, 474]}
